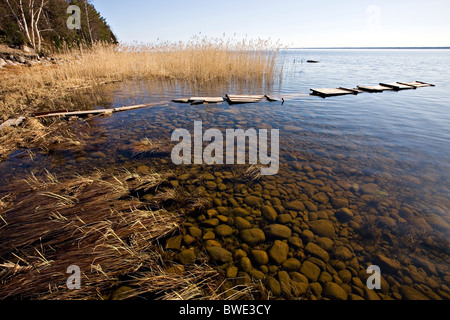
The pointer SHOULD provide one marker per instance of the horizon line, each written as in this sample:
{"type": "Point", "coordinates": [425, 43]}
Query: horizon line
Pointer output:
{"type": "Point", "coordinates": [439, 47]}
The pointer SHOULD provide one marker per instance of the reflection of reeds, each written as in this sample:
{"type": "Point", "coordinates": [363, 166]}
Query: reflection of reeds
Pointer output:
{"type": "Point", "coordinates": [199, 61]}
{"type": "Point", "coordinates": [95, 223]}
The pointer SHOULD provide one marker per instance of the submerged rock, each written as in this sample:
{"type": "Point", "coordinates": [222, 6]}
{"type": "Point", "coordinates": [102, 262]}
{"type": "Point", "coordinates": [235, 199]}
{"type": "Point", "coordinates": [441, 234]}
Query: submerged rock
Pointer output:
{"type": "Point", "coordinates": [343, 253]}
{"type": "Point", "coordinates": [334, 291]}
{"type": "Point", "coordinates": [296, 205]}
{"type": "Point", "coordinates": [253, 201]}
{"type": "Point", "coordinates": [252, 236]}
{"type": "Point", "coordinates": [278, 231]}
{"type": "Point", "coordinates": [279, 252]}
{"type": "Point", "coordinates": [388, 264]}
{"type": "Point", "coordinates": [260, 257]}
{"type": "Point", "coordinates": [269, 213]}
{"type": "Point", "coordinates": [285, 282]}
{"type": "Point", "coordinates": [344, 215]}
{"type": "Point", "coordinates": [409, 293]}
{"type": "Point", "coordinates": [245, 264]}
{"type": "Point", "coordinates": [219, 254]}
{"type": "Point", "coordinates": [174, 243]}
{"type": "Point", "coordinates": [310, 270]}
{"type": "Point", "coordinates": [339, 203]}
{"type": "Point", "coordinates": [241, 223]}
{"type": "Point", "coordinates": [291, 264]}
{"type": "Point", "coordinates": [369, 188]}
{"type": "Point", "coordinates": [223, 230]}
{"type": "Point", "coordinates": [187, 256]}
{"type": "Point", "coordinates": [323, 228]}
{"type": "Point", "coordinates": [314, 250]}
{"type": "Point", "coordinates": [274, 286]}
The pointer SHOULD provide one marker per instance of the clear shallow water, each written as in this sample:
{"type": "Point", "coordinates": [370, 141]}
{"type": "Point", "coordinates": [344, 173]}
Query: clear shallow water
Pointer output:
{"type": "Point", "coordinates": [397, 140]}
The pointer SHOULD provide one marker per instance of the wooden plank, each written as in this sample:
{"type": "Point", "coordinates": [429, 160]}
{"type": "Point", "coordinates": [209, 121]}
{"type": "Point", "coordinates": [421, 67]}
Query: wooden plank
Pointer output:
{"type": "Point", "coordinates": [196, 102]}
{"type": "Point", "coordinates": [235, 99]}
{"type": "Point", "coordinates": [234, 96]}
{"type": "Point", "coordinates": [101, 111]}
{"type": "Point", "coordinates": [272, 98]}
{"type": "Point", "coordinates": [138, 106]}
{"type": "Point", "coordinates": [397, 86]}
{"type": "Point", "coordinates": [77, 113]}
{"type": "Point", "coordinates": [182, 100]}
{"type": "Point", "coordinates": [330, 92]}
{"type": "Point", "coordinates": [207, 99]}
{"type": "Point", "coordinates": [12, 123]}
{"type": "Point", "coordinates": [377, 88]}
{"type": "Point", "coordinates": [353, 90]}
{"type": "Point", "coordinates": [417, 84]}
{"type": "Point", "coordinates": [429, 84]}
{"type": "Point", "coordinates": [43, 113]}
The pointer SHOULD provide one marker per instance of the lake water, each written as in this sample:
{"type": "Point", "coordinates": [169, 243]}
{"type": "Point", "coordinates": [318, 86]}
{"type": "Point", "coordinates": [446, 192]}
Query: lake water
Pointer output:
{"type": "Point", "coordinates": [385, 156]}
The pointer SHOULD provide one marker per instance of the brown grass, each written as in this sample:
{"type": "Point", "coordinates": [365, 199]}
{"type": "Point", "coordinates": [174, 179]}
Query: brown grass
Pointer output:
{"type": "Point", "coordinates": [199, 61]}
{"type": "Point", "coordinates": [42, 136]}
{"type": "Point", "coordinates": [97, 223]}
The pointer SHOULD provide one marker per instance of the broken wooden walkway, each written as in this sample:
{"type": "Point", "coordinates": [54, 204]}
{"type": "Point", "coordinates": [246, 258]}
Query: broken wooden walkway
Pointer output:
{"type": "Point", "coordinates": [97, 111]}
{"type": "Point", "coordinates": [230, 98]}
{"type": "Point", "coordinates": [396, 86]}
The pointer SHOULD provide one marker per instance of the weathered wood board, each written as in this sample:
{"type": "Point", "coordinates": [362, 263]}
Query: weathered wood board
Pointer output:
{"type": "Point", "coordinates": [330, 92]}
{"type": "Point", "coordinates": [397, 86]}
{"type": "Point", "coordinates": [12, 123]}
{"type": "Point", "coordinates": [417, 84]}
{"type": "Point", "coordinates": [272, 98]}
{"type": "Point", "coordinates": [100, 111]}
{"type": "Point", "coordinates": [354, 90]}
{"type": "Point", "coordinates": [207, 99]}
{"type": "Point", "coordinates": [236, 99]}
{"type": "Point", "coordinates": [377, 88]}
{"type": "Point", "coordinates": [181, 100]}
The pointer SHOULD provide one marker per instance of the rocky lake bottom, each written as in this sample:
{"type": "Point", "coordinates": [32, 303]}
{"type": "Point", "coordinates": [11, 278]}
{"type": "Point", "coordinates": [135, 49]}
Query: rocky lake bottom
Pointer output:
{"type": "Point", "coordinates": [309, 232]}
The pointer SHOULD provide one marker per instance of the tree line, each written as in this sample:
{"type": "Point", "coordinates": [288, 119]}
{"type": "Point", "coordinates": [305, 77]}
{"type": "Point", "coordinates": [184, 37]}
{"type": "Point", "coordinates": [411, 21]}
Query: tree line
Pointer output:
{"type": "Point", "coordinates": [42, 24]}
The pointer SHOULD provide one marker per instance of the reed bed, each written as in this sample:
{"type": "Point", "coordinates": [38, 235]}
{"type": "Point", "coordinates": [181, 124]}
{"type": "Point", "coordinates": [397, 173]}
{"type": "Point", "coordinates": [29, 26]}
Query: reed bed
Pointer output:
{"type": "Point", "coordinates": [199, 61]}
{"type": "Point", "coordinates": [98, 223]}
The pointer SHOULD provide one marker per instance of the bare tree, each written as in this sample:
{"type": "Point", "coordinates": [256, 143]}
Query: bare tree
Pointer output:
{"type": "Point", "coordinates": [28, 20]}
{"type": "Point", "coordinates": [88, 22]}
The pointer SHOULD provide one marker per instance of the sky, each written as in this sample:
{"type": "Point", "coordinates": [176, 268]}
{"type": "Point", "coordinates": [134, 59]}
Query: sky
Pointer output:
{"type": "Point", "coordinates": [295, 23]}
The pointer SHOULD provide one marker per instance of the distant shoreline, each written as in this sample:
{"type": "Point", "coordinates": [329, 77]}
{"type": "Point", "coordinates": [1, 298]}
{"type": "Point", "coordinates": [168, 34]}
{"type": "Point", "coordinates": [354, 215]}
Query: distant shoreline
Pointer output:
{"type": "Point", "coordinates": [372, 48]}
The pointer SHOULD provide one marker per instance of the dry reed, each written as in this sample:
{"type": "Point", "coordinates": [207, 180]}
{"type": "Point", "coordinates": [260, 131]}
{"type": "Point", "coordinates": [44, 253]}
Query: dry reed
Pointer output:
{"type": "Point", "coordinates": [98, 224]}
{"type": "Point", "coordinates": [36, 135]}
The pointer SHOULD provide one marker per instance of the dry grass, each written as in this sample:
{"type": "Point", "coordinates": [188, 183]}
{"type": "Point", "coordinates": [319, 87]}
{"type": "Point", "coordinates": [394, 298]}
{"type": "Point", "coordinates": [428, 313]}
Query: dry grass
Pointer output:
{"type": "Point", "coordinates": [148, 146]}
{"type": "Point", "coordinates": [98, 224]}
{"type": "Point", "coordinates": [199, 61]}
{"type": "Point", "coordinates": [36, 135]}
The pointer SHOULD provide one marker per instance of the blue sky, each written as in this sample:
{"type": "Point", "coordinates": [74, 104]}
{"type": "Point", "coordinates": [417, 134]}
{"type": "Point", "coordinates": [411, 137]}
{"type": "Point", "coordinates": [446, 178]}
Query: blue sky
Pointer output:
{"type": "Point", "coordinates": [296, 23]}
